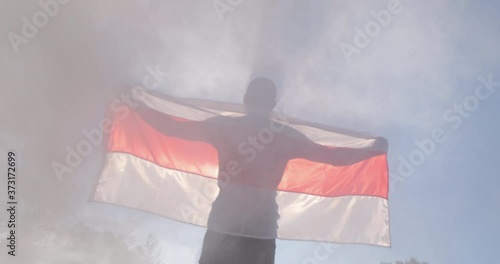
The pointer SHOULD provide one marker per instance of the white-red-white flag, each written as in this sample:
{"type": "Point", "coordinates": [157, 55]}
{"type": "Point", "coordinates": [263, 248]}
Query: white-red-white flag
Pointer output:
{"type": "Point", "coordinates": [206, 163]}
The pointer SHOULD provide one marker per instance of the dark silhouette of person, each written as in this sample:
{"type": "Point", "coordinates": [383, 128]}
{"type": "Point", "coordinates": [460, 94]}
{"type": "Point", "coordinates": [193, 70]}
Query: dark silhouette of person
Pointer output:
{"type": "Point", "coordinates": [242, 225]}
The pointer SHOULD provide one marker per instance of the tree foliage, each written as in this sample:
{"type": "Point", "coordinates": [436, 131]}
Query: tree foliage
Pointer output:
{"type": "Point", "coordinates": [44, 240]}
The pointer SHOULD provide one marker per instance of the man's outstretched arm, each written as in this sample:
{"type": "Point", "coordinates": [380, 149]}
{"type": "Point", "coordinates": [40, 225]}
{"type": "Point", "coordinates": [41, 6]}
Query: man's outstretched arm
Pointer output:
{"type": "Point", "coordinates": [339, 156]}
{"type": "Point", "coordinates": [175, 127]}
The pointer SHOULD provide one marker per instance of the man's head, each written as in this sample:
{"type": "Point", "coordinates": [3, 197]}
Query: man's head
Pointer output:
{"type": "Point", "coordinates": [261, 95]}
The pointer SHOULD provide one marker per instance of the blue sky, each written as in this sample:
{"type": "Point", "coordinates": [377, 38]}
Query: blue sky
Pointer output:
{"type": "Point", "coordinates": [428, 58]}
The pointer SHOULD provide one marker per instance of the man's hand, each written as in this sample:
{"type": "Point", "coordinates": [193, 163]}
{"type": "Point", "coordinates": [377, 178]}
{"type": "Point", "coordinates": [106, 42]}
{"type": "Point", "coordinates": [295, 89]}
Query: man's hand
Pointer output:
{"type": "Point", "coordinates": [381, 144]}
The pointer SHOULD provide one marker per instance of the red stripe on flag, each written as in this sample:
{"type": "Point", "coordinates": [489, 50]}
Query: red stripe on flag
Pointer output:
{"type": "Point", "coordinates": [134, 136]}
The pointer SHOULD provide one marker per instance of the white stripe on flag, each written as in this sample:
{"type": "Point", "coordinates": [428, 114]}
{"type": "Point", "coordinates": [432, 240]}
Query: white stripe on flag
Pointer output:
{"type": "Point", "coordinates": [199, 110]}
{"type": "Point", "coordinates": [136, 183]}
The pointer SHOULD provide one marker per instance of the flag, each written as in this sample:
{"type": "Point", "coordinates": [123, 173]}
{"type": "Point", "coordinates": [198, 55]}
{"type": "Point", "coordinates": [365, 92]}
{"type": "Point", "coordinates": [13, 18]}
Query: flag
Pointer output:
{"type": "Point", "coordinates": [179, 176]}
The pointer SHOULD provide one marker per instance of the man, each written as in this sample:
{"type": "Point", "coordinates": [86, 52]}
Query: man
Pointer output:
{"type": "Point", "coordinates": [242, 225]}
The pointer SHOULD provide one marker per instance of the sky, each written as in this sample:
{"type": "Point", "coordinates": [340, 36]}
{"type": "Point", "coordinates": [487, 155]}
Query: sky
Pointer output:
{"type": "Point", "coordinates": [407, 78]}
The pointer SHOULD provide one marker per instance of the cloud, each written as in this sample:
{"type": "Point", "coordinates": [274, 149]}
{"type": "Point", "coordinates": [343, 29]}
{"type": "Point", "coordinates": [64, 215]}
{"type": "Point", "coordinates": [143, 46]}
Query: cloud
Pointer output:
{"type": "Point", "coordinates": [426, 59]}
